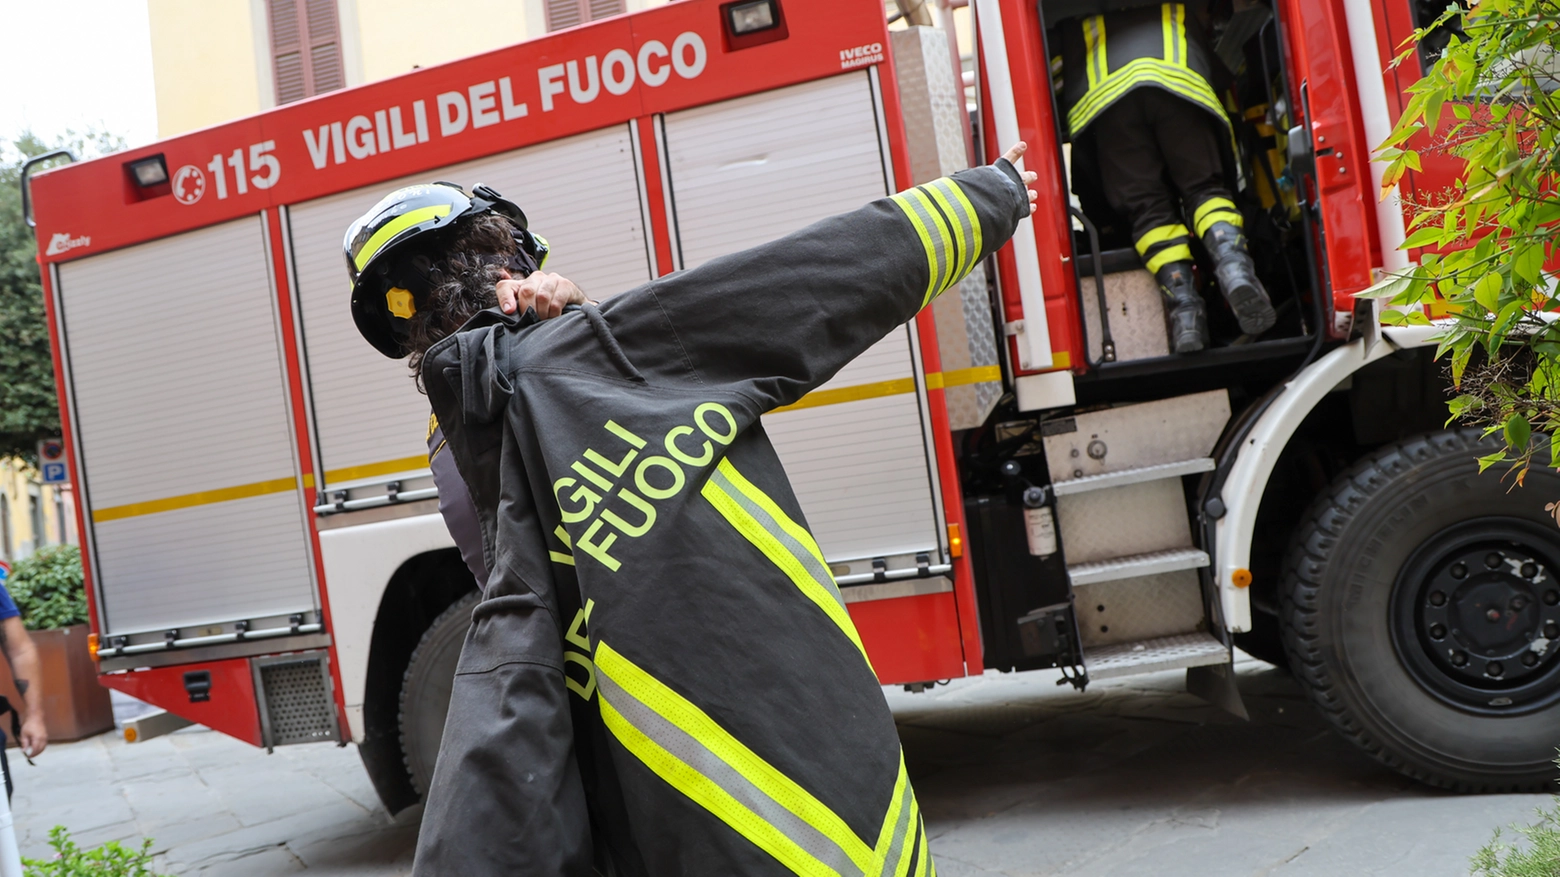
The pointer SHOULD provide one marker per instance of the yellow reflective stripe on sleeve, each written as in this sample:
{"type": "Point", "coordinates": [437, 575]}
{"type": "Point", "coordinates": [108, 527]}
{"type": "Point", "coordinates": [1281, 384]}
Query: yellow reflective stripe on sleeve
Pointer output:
{"type": "Point", "coordinates": [786, 543]}
{"type": "Point", "coordinates": [1180, 253]}
{"type": "Point", "coordinates": [1175, 78]}
{"type": "Point", "coordinates": [933, 237]}
{"type": "Point", "coordinates": [1216, 210]}
{"type": "Point", "coordinates": [952, 199]}
{"type": "Point", "coordinates": [1155, 236]}
{"type": "Point", "coordinates": [682, 745]}
{"type": "Point", "coordinates": [396, 226]}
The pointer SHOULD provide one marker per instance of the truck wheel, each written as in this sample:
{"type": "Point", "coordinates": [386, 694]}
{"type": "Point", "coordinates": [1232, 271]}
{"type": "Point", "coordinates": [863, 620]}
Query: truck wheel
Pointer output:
{"type": "Point", "coordinates": [1421, 609]}
{"type": "Point", "coordinates": [425, 689]}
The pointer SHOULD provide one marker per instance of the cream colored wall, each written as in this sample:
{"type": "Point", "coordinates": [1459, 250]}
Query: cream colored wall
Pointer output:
{"type": "Point", "coordinates": [18, 481]}
{"type": "Point", "coordinates": [396, 35]}
{"type": "Point", "coordinates": [203, 63]}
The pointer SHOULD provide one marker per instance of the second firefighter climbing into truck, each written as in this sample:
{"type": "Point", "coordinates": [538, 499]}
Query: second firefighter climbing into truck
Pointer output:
{"type": "Point", "coordinates": [1139, 100]}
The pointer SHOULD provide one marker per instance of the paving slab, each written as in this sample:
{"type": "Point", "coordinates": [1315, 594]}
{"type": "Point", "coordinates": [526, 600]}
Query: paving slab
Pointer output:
{"type": "Point", "coordinates": [1016, 777]}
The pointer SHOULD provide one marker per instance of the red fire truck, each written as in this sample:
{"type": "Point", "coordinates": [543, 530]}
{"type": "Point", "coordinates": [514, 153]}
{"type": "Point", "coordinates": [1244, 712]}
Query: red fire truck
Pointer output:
{"type": "Point", "coordinates": [1021, 478]}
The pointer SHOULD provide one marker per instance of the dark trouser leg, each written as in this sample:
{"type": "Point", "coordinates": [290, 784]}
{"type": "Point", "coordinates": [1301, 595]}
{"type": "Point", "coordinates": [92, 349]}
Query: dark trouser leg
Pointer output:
{"type": "Point", "coordinates": [1134, 170]}
{"type": "Point", "coordinates": [1189, 137]}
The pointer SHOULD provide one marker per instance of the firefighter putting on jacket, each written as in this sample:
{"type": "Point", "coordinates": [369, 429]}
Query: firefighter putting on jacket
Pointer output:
{"type": "Point", "coordinates": [661, 677]}
{"type": "Point", "coordinates": [1136, 90]}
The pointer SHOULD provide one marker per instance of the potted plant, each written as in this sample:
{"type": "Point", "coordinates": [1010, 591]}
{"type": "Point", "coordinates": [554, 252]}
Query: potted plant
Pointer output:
{"type": "Point", "coordinates": [48, 589]}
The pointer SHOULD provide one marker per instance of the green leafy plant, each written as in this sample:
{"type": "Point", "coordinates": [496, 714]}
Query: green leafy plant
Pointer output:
{"type": "Point", "coordinates": [48, 588]}
{"type": "Point", "coordinates": [1537, 854]}
{"type": "Point", "coordinates": [1491, 102]}
{"type": "Point", "coordinates": [109, 860]}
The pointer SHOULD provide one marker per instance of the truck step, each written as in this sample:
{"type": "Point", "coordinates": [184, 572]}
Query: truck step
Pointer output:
{"type": "Point", "coordinates": [1161, 653]}
{"type": "Point", "coordinates": [1137, 565]}
{"type": "Point", "coordinates": [1133, 476]}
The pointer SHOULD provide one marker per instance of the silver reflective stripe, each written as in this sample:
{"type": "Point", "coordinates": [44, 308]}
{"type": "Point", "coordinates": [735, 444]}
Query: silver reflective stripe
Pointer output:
{"type": "Point", "coordinates": [952, 204]}
{"type": "Point", "coordinates": [697, 756]}
{"type": "Point", "coordinates": [937, 229]}
{"type": "Point", "coordinates": [758, 513]}
{"type": "Point", "coordinates": [897, 846]}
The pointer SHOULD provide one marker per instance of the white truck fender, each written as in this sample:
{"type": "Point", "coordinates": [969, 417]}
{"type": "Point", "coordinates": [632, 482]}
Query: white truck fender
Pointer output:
{"type": "Point", "coordinates": [1265, 441]}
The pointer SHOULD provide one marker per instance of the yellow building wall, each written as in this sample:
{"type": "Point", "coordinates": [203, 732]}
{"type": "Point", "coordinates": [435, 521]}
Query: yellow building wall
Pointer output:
{"type": "Point", "coordinates": [396, 35]}
{"type": "Point", "coordinates": [203, 63]}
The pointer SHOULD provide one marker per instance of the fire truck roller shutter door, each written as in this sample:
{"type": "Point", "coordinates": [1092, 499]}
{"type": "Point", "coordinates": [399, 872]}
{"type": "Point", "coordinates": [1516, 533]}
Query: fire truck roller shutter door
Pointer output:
{"type": "Point", "coordinates": [181, 412]}
{"type": "Point", "coordinates": [855, 450]}
{"type": "Point", "coordinates": [577, 193]}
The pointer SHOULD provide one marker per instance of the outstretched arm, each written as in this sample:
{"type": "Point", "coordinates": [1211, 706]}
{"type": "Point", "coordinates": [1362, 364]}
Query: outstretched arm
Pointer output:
{"type": "Point", "coordinates": [23, 658]}
{"type": "Point", "coordinates": [777, 320]}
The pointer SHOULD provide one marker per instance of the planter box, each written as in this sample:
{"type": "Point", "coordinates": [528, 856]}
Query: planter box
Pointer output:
{"type": "Point", "coordinates": [74, 704]}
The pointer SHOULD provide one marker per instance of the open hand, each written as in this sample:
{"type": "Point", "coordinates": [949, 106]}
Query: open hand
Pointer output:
{"type": "Point", "coordinates": [1015, 153]}
{"type": "Point", "coordinates": [548, 293]}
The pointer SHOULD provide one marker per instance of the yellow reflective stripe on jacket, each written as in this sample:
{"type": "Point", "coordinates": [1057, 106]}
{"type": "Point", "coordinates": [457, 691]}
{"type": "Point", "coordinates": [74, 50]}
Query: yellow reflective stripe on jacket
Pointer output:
{"type": "Point", "coordinates": [923, 863]}
{"type": "Point", "coordinates": [395, 227]}
{"type": "Point", "coordinates": [1177, 79]}
{"type": "Point", "coordinates": [1173, 21]}
{"type": "Point", "coordinates": [953, 200]}
{"type": "Point", "coordinates": [1155, 236]}
{"type": "Point", "coordinates": [918, 210]}
{"type": "Point", "coordinates": [890, 856]}
{"type": "Point", "coordinates": [1178, 253]}
{"type": "Point", "coordinates": [682, 745]}
{"type": "Point", "coordinates": [1216, 210]}
{"type": "Point", "coordinates": [786, 543]}
{"type": "Point", "coordinates": [1095, 58]}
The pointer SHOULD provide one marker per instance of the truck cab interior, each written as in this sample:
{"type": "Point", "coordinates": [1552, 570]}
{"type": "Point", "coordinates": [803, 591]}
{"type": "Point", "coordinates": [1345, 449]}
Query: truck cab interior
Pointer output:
{"type": "Point", "coordinates": [1122, 309]}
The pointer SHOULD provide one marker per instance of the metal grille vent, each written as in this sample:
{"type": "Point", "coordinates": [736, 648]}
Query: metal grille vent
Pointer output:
{"type": "Point", "coordinates": [297, 706]}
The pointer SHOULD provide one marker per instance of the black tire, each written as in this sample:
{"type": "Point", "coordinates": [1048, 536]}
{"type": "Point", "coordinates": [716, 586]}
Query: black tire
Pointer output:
{"type": "Point", "coordinates": [425, 689]}
{"type": "Point", "coordinates": [1265, 640]}
{"type": "Point", "coordinates": [1374, 553]}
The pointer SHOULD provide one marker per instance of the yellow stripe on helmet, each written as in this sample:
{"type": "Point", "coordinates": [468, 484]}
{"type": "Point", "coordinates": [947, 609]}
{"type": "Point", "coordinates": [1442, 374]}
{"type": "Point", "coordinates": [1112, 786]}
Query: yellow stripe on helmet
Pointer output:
{"type": "Point", "coordinates": [394, 227]}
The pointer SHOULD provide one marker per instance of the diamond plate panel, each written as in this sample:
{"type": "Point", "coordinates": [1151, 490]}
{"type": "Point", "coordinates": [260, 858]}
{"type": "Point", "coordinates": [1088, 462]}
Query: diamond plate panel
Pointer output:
{"type": "Point", "coordinates": [1130, 436]}
{"type": "Point", "coordinates": [1129, 610]}
{"type": "Point", "coordinates": [1121, 521]}
{"type": "Point", "coordinates": [1147, 656]}
{"type": "Point", "coordinates": [1135, 566]}
{"type": "Point", "coordinates": [1137, 315]}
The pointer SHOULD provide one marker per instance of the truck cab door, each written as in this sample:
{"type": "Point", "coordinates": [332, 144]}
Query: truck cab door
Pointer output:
{"type": "Point", "coordinates": [1325, 97]}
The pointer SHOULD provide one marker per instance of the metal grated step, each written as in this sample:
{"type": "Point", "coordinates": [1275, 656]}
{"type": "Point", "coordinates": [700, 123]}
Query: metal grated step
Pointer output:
{"type": "Point", "coordinates": [1162, 653]}
{"type": "Point", "coordinates": [1133, 476]}
{"type": "Point", "coordinates": [1137, 565]}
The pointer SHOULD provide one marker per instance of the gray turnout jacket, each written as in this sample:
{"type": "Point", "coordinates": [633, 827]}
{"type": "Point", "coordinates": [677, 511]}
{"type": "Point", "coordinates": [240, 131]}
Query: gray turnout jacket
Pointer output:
{"type": "Point", "coordinates": [661, 677]}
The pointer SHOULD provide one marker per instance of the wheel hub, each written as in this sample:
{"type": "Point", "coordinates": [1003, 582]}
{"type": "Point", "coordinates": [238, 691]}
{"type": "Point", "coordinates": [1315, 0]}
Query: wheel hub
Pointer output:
{"type": "Point", "coordinates": [1477, 616]}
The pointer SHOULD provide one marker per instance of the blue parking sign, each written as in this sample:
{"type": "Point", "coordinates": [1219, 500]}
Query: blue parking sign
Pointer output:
{"type": "Point", "coordinates": [54, 473]}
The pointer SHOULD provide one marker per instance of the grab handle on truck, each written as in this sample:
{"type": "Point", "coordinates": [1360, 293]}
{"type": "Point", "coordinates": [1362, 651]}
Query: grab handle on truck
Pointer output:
{"type": "Point", "coordinates": [27, 167]}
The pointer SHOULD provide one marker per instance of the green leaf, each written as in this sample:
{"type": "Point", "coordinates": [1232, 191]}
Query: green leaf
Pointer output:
{"type": "Point", "coordinates": [1518, 432]}
{"type": "Point", "coordinates": [1529, 263]}
{"type": "Point", "coordinates": [1461, 112]}
{"type": "Point", "coordinates": [1422, 237]}
{"type": "Point", "coordinates": [1489, 460]}
{"type": "Point", "coordinates": [1487, 291]}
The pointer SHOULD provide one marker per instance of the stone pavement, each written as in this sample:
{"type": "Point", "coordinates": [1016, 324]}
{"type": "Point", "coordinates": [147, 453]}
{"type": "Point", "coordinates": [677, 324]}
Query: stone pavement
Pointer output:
{"type": "Point", "coordinates": [1016, 777]}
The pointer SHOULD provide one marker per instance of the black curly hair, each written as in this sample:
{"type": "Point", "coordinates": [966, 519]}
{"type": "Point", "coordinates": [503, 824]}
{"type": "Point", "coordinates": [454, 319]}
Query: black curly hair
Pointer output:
{"type": "Point", "coordinates": [463, 267]}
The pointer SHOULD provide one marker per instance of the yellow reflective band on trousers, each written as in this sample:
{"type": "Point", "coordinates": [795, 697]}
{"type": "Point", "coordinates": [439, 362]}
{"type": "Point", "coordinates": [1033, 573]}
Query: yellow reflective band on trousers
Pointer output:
{"type": "Point", "coordinates": [786, 543]}
{"type": "Point", "coordinates": [700, 759]}
{"type": "Point", "coordinates": [1156, 236]}
{"type": "Point", "coordinates": [1179, 253]}
{"type": "Point", "coordinates": [1216, 210]}
{"type": "Point", "coordinates": [395, 227]}
{"type": "Point", "coordinates": [1175, 78]}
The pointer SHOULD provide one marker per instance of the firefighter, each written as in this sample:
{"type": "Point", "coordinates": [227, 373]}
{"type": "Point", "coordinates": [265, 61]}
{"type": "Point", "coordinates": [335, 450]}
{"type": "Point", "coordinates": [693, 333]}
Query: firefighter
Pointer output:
{"type": "Point", "coordinates": [1137, 94]}
{"type": "Point", "coordinates": [662, 677]}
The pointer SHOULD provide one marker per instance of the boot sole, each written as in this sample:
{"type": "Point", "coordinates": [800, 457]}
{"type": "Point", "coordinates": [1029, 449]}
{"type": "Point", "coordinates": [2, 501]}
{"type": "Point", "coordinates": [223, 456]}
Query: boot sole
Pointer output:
{"type": "Point", "coordinates": [1252, 309]}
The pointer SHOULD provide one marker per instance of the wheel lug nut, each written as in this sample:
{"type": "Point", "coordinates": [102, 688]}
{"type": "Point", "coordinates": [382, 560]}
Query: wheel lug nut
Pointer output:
{"type": "Point", "coordinates": [1437, 631]}
{"type": "Point", "coordinates": [1459, 570]}
{"type": "Point", "coordinates": [1529, 659]}
{"type": "Point", "coordinates": [1493, 559]}
{"type": "Point", "coordinates": [1493, 615]}
{"type": "Point", "coordinates": [1551, 598]}
{"type": "Point", "coordinates": [1459, 659]}
{"type": "Point", "coordinates": [1518, 604]}
{"type": "Point", "coordinates": [1551, 630]}
{"type": "Point", "coordinates": [1437, 598]}
{"type": "Point", "coordinates": [1494, 668]}
{"type": "Point", "coordinates": [1529, 569]}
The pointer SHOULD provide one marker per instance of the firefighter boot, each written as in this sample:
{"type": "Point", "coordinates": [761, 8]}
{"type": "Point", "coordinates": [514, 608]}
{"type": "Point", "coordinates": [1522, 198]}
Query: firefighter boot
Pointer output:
{"type": "Point", "coordinates": [1237, 275]}
{"type": "Point", "coordinates": [1184, 312]}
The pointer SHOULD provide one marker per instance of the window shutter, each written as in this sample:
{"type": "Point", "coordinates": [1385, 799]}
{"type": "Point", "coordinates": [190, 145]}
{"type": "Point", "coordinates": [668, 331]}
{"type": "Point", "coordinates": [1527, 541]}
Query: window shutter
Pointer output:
{"type": "Point", "coordinates": [305, 48]}
{"type": "Point", "coordinates": [568, 13]}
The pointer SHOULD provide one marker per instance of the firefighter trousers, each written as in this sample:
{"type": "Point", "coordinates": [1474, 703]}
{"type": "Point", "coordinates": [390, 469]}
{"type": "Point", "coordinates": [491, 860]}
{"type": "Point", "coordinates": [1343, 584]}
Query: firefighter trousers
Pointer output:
{"type": "Point", "coordinates": [1162, 161]}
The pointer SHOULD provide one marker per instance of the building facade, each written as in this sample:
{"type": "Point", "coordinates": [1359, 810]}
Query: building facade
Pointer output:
{"type": "Point", "coordinates": [32, 514]}
{"type": "Point", "coordinates": [217, 60]}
